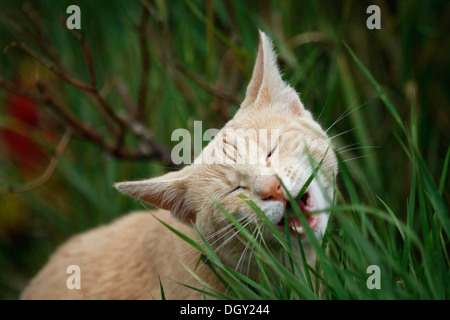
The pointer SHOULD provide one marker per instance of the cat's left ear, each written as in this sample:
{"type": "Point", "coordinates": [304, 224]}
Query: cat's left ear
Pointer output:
{"type": "Point", "coordinates": [266, 86]}
{"type": "Point", "coordinates": [167, 192]}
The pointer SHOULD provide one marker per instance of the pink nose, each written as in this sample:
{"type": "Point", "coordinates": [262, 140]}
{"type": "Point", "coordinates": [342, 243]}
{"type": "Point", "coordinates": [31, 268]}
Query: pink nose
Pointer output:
{"type": "Point", "coordinates": [271, 190]}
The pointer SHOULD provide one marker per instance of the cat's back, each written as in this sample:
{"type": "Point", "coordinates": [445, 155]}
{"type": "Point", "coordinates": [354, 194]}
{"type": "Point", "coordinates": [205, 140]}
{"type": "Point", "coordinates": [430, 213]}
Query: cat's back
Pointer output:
{"type": "Point", "coordinates": [121, 260]}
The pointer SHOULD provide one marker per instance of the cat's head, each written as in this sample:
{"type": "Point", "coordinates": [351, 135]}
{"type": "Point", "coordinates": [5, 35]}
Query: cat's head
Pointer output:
{"type": "Point", "coordinates": [272, 135]}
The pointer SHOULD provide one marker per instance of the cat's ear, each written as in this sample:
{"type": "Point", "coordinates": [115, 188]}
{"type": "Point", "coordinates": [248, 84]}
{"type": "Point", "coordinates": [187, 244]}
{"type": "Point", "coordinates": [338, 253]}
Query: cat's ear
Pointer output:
{"type": "Point", "coordinates": [166, 192]}
{"type": "Point", "coordinates": [266, 85]}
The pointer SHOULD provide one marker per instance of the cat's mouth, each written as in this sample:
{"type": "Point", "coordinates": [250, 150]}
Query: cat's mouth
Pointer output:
{"type": "Point", "coordinates": [306, 205]}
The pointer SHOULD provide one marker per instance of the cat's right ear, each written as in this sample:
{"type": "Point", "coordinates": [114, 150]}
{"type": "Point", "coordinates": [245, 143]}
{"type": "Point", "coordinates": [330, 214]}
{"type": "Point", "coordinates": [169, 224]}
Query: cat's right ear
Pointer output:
{"type": "Point", "coordinates": [167, 192]}
{"type": "Point", "coordinates": [266, 86]}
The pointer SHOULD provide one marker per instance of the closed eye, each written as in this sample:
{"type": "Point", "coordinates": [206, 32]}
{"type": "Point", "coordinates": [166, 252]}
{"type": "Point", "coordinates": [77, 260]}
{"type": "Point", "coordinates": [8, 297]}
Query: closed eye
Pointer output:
{"type": "Point", "coordinates": [269, 155]}
{"type": "Point", "coordinates": [239, 188]}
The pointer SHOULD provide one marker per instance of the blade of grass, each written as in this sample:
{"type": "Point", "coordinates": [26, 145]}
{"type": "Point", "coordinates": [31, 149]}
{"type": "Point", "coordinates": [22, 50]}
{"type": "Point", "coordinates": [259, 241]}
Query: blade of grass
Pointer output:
{"type": "Point", "coordinates": [444, 173]}
{"type": "Point", "coordinates": [397, 223]}
{"type": "Point", "coordinates": [163, 296]}
{"type": "Point", "coordinates": [410, 223]}
{"type": "Point", "coordinates": [378, 89]}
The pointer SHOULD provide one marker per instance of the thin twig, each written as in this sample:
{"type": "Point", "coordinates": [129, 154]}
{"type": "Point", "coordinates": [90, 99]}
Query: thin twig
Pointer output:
{"type": "Point", "coordinates": [17, 90]}
{"type": "Point", "coordinates": [81, 40]}
{"type": "Point", "coordinates": [43, 179]}
{"type": "Point", "coordinates": [63, 75]}
{"type": "Point", "coordinates": [78, 126]}
{"type": "Point", "coordinates": [124, 94]}
{"type": "Point", "coordinates": [218, 92]}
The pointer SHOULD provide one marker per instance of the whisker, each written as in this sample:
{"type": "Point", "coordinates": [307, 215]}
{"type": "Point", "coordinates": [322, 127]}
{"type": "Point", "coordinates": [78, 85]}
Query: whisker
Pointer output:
{"type": "Point", "coordinates": [356, 148]}
{"type": "Point", "coordinates": [245, 251]}
{"type": "Point", "coordinates": [196, 257]}
{"type": "Point", "coordinates": [344, 132]}
{"type": "Point", "coordinates": [342, 116]}
{"type": "Point", "coordinates": [259, 234]}
{"type": "Point", "coordinates": [231, 238]}
{"type": "Point", "coordinates": [347, 146]}
{"type": "Point", "coordinates": [320, 114]}
{"type": "Point", "coordinates": [209, 237]}
{"type": "Point", "coordinates": [347, 113]}
{"type": "Point", "coordinates": [229, 231]}
{"type": "Point", "coordinates": [351, 159]}
{"type": "Point", "coordinates": [224, 228]}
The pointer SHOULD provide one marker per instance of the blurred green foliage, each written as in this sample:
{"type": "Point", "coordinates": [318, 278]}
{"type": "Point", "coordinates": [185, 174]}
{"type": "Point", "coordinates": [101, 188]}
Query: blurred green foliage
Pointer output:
{"type": "Point", "coordinates": [217, 40]}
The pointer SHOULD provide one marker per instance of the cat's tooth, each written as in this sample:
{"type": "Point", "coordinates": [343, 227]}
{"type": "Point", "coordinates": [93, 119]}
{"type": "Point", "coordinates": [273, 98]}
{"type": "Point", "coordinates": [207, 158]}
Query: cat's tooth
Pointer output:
{"type": "Point", "coordinates": [299, 229]}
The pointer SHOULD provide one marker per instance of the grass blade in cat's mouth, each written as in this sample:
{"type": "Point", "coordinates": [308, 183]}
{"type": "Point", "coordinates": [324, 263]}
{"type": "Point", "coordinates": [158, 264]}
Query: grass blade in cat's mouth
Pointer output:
{"type": "Point", "coordinates": [306, 206]}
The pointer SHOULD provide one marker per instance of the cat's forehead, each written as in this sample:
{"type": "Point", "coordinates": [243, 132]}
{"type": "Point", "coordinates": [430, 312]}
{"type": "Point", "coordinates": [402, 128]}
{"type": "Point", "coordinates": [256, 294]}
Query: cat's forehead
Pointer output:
{"type": "Point", "coordinates": [250, 136]}
{"type": "Point", "coordinates": [274, 126]}
{"type": "Point", "coordinates": [265, 118]}
{"type": "Point", "coordinates": [274, 116]}
{"type": "Point", "coordinates": [221, 175]}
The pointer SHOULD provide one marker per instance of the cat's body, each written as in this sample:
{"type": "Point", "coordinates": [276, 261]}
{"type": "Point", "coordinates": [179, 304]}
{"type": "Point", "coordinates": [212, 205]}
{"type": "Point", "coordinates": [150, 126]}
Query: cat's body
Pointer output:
{"type": "Point", "coordinates": [122, 260]}
{"type": "Point", "coordinates": [271, 138]}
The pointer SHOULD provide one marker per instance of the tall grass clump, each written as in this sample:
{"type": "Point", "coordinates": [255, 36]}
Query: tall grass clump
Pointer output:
{"type": "Point", "coordinates": [411, 255]}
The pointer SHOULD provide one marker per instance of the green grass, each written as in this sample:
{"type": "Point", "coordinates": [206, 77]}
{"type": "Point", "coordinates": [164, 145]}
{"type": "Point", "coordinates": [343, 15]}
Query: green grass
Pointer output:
{"type": "Point", "coordinates": [413, 257]}
{"type": "Point", "coordinates": [392, 200]}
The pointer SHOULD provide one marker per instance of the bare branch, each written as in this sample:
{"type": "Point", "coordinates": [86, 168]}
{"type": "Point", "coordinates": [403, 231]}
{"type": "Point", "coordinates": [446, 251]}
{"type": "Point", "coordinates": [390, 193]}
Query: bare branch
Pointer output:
{"type": "Point", "coordinates": [106, 109]}
{"type": "Point", "coordinates": [149, 148]}
{"type": "Point", "coordinates": [78, 126]}
{"type": "Point", "coordinates": [117, 125]}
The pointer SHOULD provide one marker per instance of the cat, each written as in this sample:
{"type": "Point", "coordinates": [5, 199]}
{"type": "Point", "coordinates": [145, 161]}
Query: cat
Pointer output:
{"type": "Point", "coordinates": [132, 256]}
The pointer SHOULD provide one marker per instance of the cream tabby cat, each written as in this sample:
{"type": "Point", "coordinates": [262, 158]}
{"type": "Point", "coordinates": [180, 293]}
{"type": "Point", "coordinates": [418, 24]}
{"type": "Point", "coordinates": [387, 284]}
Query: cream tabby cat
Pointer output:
{"type": "Point", "coordinates": [123, 260]}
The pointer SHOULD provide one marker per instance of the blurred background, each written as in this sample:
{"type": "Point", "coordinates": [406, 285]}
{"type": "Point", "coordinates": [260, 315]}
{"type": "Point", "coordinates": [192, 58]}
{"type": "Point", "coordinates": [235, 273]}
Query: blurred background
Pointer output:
{"type": "Point", "coordinates": [82, 109]}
